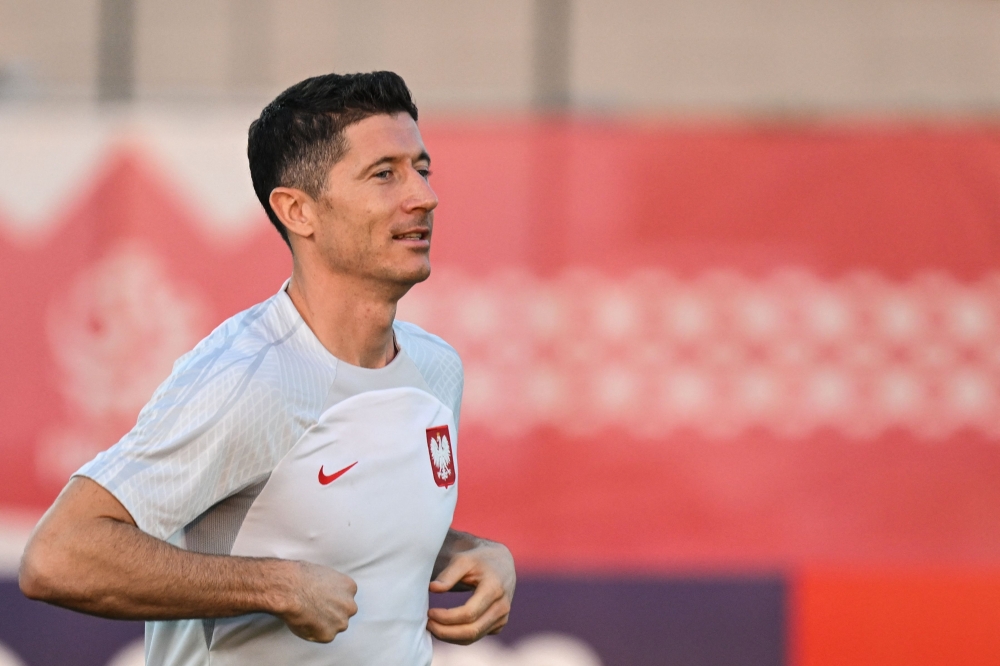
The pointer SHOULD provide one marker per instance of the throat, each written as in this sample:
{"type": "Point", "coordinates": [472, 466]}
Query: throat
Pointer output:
{"type": "Point", "coordinates": [355, 329]}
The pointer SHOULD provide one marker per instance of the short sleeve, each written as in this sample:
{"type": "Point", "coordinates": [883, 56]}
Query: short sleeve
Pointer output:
{"type": "Point", "coordinates": [213, 427]}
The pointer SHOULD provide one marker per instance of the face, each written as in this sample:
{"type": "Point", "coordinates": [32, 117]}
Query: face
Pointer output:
{"type": "Point", "coordinates": [376, 214]}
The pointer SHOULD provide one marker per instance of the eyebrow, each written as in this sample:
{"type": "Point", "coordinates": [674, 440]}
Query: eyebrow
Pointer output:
{"type": "Point", "coordinates": [422, 157]}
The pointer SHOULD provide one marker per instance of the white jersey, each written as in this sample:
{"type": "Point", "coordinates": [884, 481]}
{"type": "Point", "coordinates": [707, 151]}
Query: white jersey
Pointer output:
{"type": "Point", "coordinates": [262, 443]}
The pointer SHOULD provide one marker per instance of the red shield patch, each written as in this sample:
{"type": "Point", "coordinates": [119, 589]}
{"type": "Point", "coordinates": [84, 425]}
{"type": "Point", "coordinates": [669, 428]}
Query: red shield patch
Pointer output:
{"type": "Point", "coordinates": [442, 456]}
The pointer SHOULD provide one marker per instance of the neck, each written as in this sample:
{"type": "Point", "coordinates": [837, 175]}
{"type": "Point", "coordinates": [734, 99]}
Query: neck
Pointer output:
{"type": "Point", "coordinates": [351, 317]}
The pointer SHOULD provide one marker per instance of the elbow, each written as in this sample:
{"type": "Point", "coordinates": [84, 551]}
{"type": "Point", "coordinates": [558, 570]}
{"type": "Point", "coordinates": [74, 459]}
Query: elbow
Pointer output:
{"type": "Point", "coordinates": [30, 581]}
{"type": "Point", "coordinates": [38, 575]}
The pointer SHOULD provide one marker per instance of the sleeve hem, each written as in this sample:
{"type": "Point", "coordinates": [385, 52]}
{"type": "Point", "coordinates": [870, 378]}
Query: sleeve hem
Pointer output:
{"type": "Point", "coordinates": [118, 496]}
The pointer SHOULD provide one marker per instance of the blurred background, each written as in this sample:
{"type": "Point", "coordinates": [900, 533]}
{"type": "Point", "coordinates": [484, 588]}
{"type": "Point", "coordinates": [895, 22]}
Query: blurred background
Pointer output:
{"type": "Point", "coordinates": [724, 275]}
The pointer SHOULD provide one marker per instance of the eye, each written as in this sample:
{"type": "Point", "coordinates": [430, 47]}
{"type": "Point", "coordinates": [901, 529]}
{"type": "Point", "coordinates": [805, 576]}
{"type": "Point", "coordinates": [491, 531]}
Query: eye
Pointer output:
{"type": "Point", "coordinates": [425, 172]}
{"type": "Point", "coordinates": [384, 174]}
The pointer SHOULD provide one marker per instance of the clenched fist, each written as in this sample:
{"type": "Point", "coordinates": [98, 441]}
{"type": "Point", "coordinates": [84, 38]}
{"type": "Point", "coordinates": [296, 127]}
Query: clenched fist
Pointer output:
{"type": "Point", "coordinates": [321, 602]}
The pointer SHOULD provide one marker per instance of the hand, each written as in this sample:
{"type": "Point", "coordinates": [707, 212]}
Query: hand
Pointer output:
{"type": "Point", "coordinates": [322, 603]}
{"type": "Point", "coordinates": [488, 567]}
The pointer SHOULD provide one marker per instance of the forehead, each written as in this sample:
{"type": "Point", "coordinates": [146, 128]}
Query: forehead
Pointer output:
{"type": "Point", "coordinates": [382, 136]}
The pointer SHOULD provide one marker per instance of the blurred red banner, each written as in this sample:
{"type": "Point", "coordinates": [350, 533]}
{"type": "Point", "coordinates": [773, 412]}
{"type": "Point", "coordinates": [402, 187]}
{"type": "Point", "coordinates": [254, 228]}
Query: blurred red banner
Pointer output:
{"type": "Point", "coordinates": [685, 348]}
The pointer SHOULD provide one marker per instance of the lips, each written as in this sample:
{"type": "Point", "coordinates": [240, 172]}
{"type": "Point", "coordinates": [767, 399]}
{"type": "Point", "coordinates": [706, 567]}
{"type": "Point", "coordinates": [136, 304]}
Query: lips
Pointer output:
{"type": "Point", "coordinates": [421, 234]}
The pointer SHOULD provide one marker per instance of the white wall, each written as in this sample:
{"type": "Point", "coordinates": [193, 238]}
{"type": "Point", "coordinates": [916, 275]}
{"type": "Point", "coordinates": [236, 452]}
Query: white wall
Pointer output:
{"type": "Point", "coordinates": [788, 54]}
{"type": "Point", "coordinates": [48, 46]}
{"type": "Point", "coordinates": [757, 56]}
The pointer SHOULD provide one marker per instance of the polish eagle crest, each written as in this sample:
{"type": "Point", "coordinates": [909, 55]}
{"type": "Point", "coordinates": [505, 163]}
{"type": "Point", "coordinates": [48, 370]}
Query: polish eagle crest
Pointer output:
{"type": "Point", "coordinates": [442, 456]}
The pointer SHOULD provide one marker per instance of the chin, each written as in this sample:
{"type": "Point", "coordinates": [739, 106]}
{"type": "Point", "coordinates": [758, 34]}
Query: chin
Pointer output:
{"type": "Point", "coordinates": [420, 274]}
{"type": "Point", "coordinates": [409, 275]}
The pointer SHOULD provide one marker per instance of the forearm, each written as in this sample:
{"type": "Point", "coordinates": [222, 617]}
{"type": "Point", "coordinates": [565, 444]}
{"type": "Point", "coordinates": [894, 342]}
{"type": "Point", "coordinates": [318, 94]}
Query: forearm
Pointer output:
{"type": "Point", "coordinates": [140, 577]}
{"type": "Point", "coordinates": [457, 542]}
{"type": "Point", "coordinates": [88, 555]}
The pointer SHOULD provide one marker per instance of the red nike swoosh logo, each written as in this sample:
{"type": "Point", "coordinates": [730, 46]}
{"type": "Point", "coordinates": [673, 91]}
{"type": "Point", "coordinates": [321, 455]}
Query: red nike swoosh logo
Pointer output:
{"type": "Point", "coordinates": [324, 479]}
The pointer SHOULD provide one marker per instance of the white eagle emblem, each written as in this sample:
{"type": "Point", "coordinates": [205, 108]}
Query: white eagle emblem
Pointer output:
{"type": "Point", "coordinates": [441, 455]}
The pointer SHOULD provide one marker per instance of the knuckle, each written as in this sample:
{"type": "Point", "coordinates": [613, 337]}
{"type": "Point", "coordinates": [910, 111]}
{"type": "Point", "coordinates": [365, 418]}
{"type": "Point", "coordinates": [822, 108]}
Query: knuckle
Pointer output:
{"type": "Point", "coordinates": [467, 635]}
{"type": "Point", "coordinates": [459, 635]}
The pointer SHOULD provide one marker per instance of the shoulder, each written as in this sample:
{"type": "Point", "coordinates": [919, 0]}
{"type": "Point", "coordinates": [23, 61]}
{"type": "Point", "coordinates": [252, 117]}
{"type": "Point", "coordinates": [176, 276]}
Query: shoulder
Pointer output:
{"type": "Point", "coordinates": [224, 417]}
{"type": "Point", "coordinates": [242, 335]}
{"type": "Point", "coordinates": [260, 335]}
{"type": "Point", "coordinates": [235, 349]}
{"type": "Point", "coordinates": [242, 368]}
{"type": "Point", "coordinates": [413, 333]}
{"type": "Point", "coordinates": [437, 361]}
{"type": "Point", "coordinates": [424, 347]}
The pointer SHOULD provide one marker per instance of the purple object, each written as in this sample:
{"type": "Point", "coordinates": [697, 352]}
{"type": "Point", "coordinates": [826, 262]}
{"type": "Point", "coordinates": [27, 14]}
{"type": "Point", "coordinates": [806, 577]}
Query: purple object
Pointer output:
{"type": "Point", "coordinates": [736, 621]}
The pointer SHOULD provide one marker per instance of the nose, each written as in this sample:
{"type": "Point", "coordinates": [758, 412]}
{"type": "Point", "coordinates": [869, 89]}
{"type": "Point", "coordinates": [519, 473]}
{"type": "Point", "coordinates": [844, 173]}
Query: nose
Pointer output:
{"type": "Point", "coordinates": [421, 196]}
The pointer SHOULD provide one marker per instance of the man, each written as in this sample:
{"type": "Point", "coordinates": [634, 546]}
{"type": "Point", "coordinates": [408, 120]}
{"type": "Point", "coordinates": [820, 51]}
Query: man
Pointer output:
{"type": "Point", "coordinates": [298, 467]}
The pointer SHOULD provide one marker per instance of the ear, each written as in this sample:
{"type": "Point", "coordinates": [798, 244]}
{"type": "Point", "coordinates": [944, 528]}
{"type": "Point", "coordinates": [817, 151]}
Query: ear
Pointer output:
{"type": "Point", "coordinates": [295, 209]}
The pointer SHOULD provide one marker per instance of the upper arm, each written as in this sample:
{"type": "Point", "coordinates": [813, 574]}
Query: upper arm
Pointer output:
{"type": "Point", "coordinates": [207, 433]}
{"type": "Point", "coordinates": [74, 514]}
{"type": "Point", "coordinates": [81, 500]}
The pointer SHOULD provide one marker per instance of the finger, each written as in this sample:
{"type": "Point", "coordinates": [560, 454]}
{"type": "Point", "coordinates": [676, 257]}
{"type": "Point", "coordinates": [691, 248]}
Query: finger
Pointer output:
{"type": "Point", "coordinates": [499, 624]}
{"type": "Point", "coordinates": [452, 575]}
{"type": "Point", "coordinates": [315, 634]}
{"type": "Point", "coordinates": [490, 622]}
{"type": "Point", "coordinates": [460, 586]}
{"type": "Point", "coordinates": [472, 610]}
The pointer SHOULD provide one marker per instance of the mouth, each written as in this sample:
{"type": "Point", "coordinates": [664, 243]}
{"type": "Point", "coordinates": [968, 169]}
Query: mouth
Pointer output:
{"type": "Point", "coordinates": [416, 236]}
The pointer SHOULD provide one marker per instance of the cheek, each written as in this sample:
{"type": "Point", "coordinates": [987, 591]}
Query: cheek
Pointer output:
{"type": "Point", "coordinates": [353, 241]}
{"type": "Point", "coordinates": [330, 239]}
{"type": "Point", "coordinates": [357, 227]}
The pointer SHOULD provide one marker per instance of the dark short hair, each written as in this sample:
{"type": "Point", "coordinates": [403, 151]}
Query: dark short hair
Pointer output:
{"type": "Point", "coordinates": [300, 135]}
